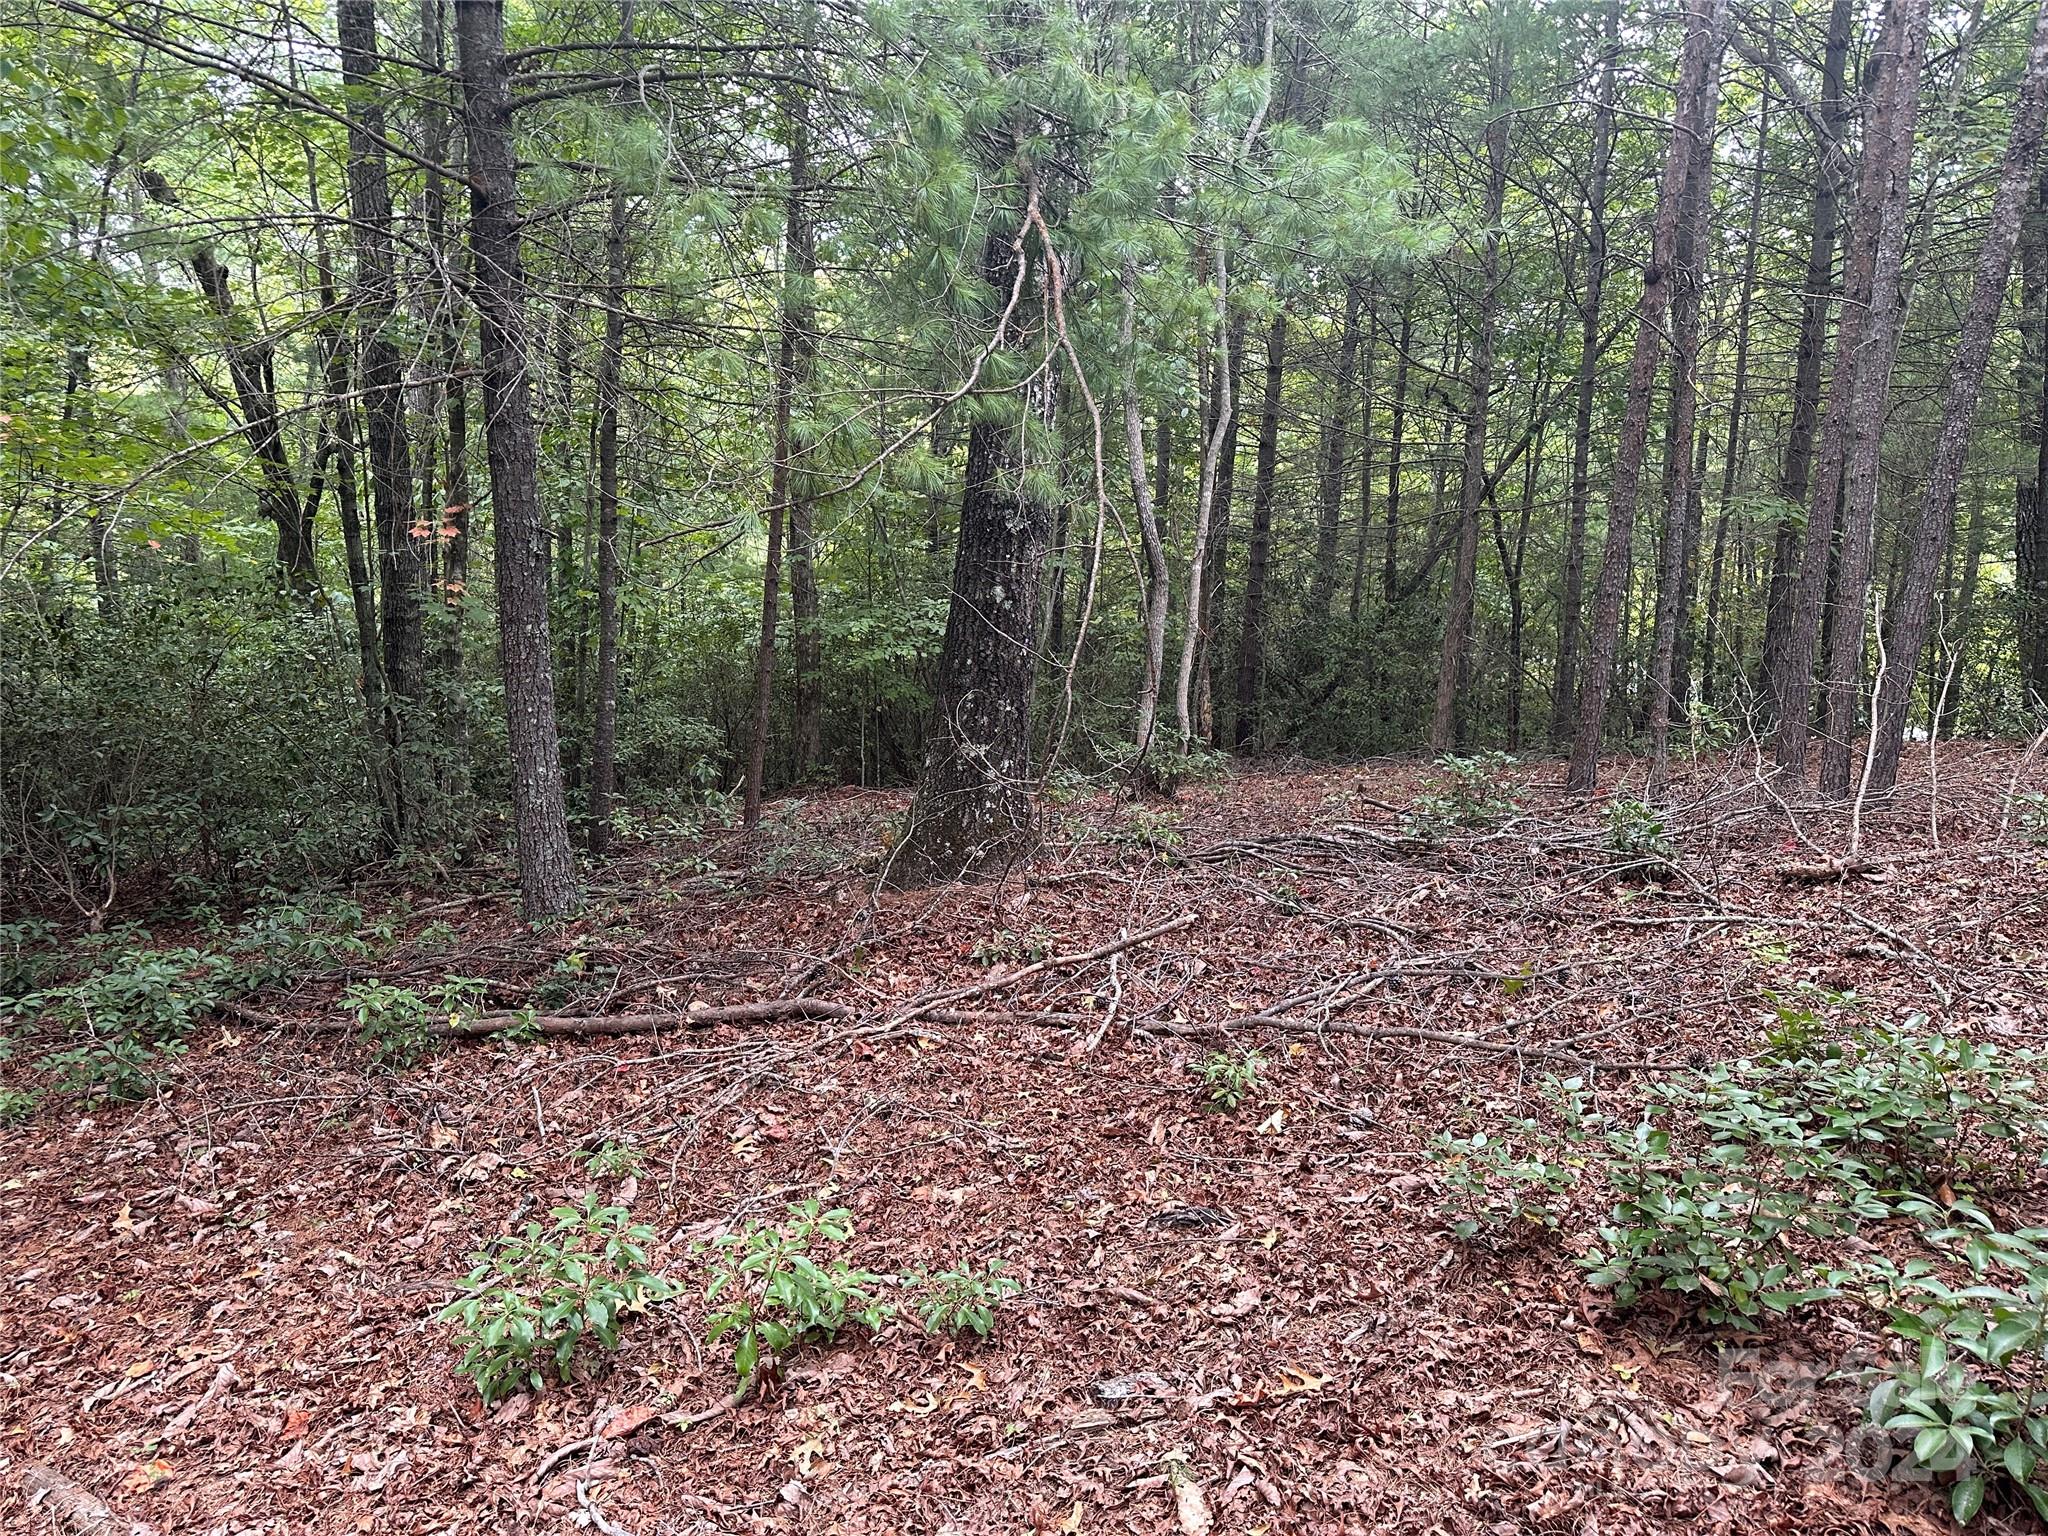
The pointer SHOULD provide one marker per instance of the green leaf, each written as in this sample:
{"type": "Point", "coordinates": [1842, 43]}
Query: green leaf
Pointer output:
{"type": "Point", "coordinates": [1966, 1498]}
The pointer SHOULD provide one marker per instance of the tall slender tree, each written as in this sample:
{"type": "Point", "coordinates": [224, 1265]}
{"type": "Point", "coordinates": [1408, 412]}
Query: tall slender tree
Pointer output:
{"type": "Point", "coordinates": [547, 867]}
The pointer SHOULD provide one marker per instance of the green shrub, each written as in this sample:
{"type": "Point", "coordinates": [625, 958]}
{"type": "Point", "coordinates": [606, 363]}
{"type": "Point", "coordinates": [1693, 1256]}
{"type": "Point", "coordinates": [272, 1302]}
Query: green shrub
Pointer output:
{"type": "Point", "coordinates": [1230, 1077]}
{"type": "Point", "coordinates": [1156, 832]}
{"type": "Point", "coordinates": [1006, 945]}
{"type": "Point", "coordinates": [156, 995]}
{"type": "Point", "coordinates": [16, 1105]}
{"type": "Point", "coordinates": [290, 938]}
{"type": "Point", "coordinates": [1520, 1177]}
{"type": "Point", "coordinates": [1468, 796]}
{"type": "Point", "coordinates": [25, 956]}
{"type": "Point", "coordinates": [1721, 1228]}
{"type": "Point", "coordinates": [771, 1292]}
{"type": "Point", "coordinates": [126, 1019]}
{"type": "Point", "coordinates": [533, 1301]}
{"type": "Point", "coordinates": [1971, 1393]}
{"type": "Point", "coordinates": [1635, 832]}
{"type": "Point", "coordinates": [613, 1160]}
{"type": "Point", "coordinates": [2030, 813]}
{"type": "Point", "coordinates": [398, 1024]}
{"type": "Point", "coordinates": [962, 1299]}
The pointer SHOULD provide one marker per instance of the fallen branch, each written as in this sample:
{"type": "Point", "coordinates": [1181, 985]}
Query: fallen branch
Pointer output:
{"type": "Point", "coordinates": [676, 1419]}
{"type": "Point", "coordinates": [85, 1513]}
{"type": "Point", "coordinates": [1052, 962]}
{"type": "Point", "coordinates": [1433, 1036]}
{"type": "Point", "coordinates": [767, 1011]}
{"type": "Point", "coordinates": [1826, 871]}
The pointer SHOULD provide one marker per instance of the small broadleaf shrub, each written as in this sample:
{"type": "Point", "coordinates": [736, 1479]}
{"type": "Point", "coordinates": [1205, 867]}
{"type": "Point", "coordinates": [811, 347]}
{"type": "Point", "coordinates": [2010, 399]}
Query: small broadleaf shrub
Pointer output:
{"type": "Point", "coordinates": [1970, 1394]}
{"type": "Point", "coordinates": [126, 1018]}
{"type": "Point", "coordinates": [398, 1024]}
{"type": "Point", "coordinates": [1167, 771]}
{"type": "Point", "coordinates": [772, 1291]}
{"type": "Point", "coordinates": [154, 994]}
{"type": "Point", "coordinates": [533, 1301]}
{"type": "Point", "coordinates": [1230, 1077]}
{"type": "Point", "coordinates": [1469, 796]}
{"type": "Point", "coordinates": [290, 938]}
{"type": "Point", "coordinates": [16, 1105]}
{"type": "Point", "coordinates": [1005, 945]}
{"type": "Point", "coordinates": [1156, 832]}
{"type": "Point", "coordinates": [962, 1299]}
{"type": "Point", "coordinates": [1520, 1177]}
{"type": "Point", "coordinates": [613, 1160]}
{"type": "Point", "coordinates": [2030, 813]}
{"type": "Point", "coordinates": [25, 955]}
{"type": "Point", "coordinates": [1723, 1228]}
{"type": "Point", "coordinates": [1636, 833]}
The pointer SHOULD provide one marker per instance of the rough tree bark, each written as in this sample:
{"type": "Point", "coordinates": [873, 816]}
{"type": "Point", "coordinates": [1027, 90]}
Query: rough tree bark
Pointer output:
{"type": "Point", "coordinates": [794, 345]}
{"type": "Point", "coordinates": [404, 542]}
{"type": "Point", "coordinates": [611, 360]}
{"type": "Point", "coordinates": [1251, 637]}
{"type": "Point", "coordinates": [1390, 564]}
{"type": "Point", "coordinates": [1792, 680]}
{"type": "Point", "coordinates": [547, 867]}
{"type": "Point", "coordinates": [1365, 466]}
{"type": "Point", "coordinates": [1732, 449]}
{"type": "Point", "coordinates": [1879, 350]}
{"type": "Point", "coordinates": [1831, 178]}
{"type": "Point", "coordinates": [1913, 607]}
{"type": "Point", "coordinates": [252, 370]}
{"type": "Point", "coordinates": [972, 811]}
{"type": "Point", "coordinates": [1454, 654]}
{"type": "Point", "coordinates": [1681, 484]}
{"type": "Point", "coordinates": [1571, 596]}
{"type": "Point", "coordinates": [2030, 484]}
{"type": "Point", "coordinates": [1705, 24]}
{"type": "Point", "coordinates": [1156, 572]}
{"type": "Point", "coordinates": [1335, 448]}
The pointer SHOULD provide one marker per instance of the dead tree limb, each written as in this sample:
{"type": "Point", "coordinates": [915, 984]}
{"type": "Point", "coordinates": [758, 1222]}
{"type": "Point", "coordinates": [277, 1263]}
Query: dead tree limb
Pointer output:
{"type": "Point", "coordinates": [72, 1506]}
{"type": "Point", "coordinates": [1053, 962]}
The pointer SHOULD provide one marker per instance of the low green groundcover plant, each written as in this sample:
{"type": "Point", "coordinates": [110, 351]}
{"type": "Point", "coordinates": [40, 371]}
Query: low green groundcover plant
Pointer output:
{"type": "Point", "coordinates": [533, 1302]}
{"type": "Point", "coordinates": [1744, 1189]}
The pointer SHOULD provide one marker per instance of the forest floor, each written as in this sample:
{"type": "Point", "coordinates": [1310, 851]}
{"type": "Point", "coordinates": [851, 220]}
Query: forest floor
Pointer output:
{"type": "Point", "coordinates": [218, 1308]}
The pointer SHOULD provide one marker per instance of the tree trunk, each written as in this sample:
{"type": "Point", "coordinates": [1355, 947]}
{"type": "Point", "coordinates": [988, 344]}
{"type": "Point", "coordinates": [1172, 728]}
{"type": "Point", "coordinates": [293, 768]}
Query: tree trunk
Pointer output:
{"type": "Point", "coordinates": [972, 813]}
{"type": "Point", "coordinates": [1914, 604]}
{"type": "Point", "coordinates": [1335, 446]}
{"type": "Point", "coordinates": [2030, 486]}
{"type": "Point", "coordinates": [1365, 468]}
{"type": "Point", "coordinates": [611, 359]}
{"type": "Point", "coordinates": [1571, 598]}
{"type": "Point", "coordinates": [1156, 571]}
{"type": "Point", "coordinates": [1866, 428]}
{"type": "Point", "coordinates": [1251, 639]}
{"type": "Point", "coordinates": [1831, 178]}
{"type": "Point", "coordinates": [446, 507]}
{"type": "Point", "coordinates": [792, 367]}
{"type": "Point", "coordinates": [253, 373]}
{"type": "Point", "coordinates": [1792, 685]}
{"type": "Point", "coordinates": [1957, 651]}
{"type": "Point", "coordinates": [1681, 481]}
{"type": "Point", "coordinates": [1454, 655]}
{"type": "Point", "coordinates": [403, 544]}
{"type": "Point", "coordinates": [1706, 23]}
{"type": "Point", "coordinates": [807, 643]}
{"type": "Point", "coordinates": [1739, 397]}
{"type": "Point", "coordinates": [1390, 566]}
{"type": "Point", "coordinates": [547, 868]}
